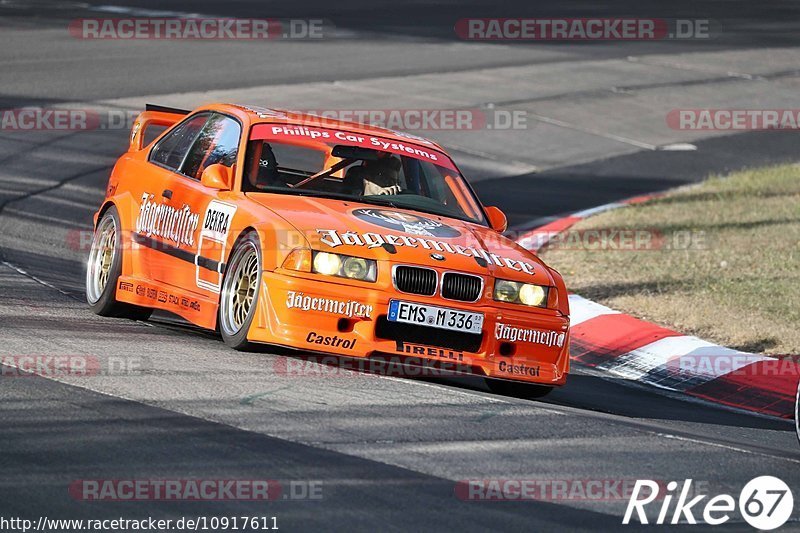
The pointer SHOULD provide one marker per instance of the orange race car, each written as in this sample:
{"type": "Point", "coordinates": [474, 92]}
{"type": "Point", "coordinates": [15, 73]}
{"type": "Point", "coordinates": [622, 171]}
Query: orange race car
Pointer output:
{"type": "Point", "coordinates": [288, 229]}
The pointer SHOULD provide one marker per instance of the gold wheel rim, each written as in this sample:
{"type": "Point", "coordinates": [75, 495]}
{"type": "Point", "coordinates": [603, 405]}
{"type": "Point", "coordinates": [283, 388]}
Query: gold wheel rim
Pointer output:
{"type": "Point", "coordinates": [101, 259]}
{"type": "Point", "coordinates": [239, 290]}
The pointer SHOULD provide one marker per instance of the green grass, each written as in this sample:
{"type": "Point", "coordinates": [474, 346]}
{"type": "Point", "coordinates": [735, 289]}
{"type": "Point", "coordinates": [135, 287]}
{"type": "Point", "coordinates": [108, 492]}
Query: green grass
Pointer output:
{"type": "Point", "coordinates": [737, 282]}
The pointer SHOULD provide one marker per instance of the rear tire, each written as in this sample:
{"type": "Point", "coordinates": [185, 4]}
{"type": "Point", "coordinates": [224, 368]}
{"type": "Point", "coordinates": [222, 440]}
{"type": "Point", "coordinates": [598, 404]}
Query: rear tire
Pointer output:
{"type": "Point", "coordinates": [518, 389]}
{"type": "Point", "coordinates": [238, 299]}
{"type": "Point", "coordinates": [797, 412]}
{"type": "Point", "coordinates": [104, 268]}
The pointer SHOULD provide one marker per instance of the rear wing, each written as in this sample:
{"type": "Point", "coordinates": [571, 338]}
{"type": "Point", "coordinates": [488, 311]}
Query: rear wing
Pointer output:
{"type": "Point", "coordinates": [153, 115]}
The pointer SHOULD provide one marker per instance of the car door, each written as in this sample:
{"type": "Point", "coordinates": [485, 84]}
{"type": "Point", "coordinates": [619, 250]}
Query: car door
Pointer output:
{"type": "Point", "coordinates": [199, 212]}
{"type": "Point", "coordinates": [154, 194]}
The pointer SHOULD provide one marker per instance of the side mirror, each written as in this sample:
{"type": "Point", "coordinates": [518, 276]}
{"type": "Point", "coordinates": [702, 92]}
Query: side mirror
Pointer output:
{"type": "Point", "coordinates": [217, 176]}
{"type": "Point", "coordinates": [497, 219]}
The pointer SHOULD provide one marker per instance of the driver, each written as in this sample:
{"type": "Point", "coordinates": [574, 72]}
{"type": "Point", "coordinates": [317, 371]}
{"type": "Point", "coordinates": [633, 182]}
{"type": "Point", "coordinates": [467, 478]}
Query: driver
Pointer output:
{"type": "Point", "coordinates": [382, 176]}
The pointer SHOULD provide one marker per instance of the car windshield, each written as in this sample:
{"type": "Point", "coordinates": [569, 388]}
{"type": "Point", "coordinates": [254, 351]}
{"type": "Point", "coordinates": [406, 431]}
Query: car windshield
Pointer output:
{"type": "Point", "coordinates": [301, 160]}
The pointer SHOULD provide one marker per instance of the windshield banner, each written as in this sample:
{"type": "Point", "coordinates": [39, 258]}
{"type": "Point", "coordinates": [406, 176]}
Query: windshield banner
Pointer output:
{"type": "Point", "coordinates": [331, 137]}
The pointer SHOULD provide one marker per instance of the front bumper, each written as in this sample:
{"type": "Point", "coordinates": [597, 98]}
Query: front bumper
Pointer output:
{"type": "Point", "coordinates": [325, 316]}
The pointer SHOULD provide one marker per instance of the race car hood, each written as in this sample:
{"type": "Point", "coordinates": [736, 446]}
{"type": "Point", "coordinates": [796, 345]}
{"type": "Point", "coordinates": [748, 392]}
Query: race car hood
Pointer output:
{"type": "Point", "coordinates": [406, 237]}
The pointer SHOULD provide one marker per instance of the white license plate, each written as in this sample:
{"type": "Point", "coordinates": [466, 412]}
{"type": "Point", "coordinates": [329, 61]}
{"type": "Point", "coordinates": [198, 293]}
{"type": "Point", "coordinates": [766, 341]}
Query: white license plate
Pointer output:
{"type": "Point", "coordinates": [435, 317]}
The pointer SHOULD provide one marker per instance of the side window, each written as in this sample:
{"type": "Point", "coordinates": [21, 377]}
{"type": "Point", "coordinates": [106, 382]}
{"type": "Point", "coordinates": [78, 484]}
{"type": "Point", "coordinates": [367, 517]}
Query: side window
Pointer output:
{"type": "Point", "coordinates": [435, 185]}
{"type": "Point", "coordinates": [278, 164]}
{"type": "Point", "coordinates": [218, 142]}
{"type": "Point", "coordinates": [171, 150]}
{"type": "Point", "coordinates": [298, 159]}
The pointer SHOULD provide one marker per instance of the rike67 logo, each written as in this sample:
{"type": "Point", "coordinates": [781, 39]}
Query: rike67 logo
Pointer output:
{"type": "Point", "coordinates": [765, 503]}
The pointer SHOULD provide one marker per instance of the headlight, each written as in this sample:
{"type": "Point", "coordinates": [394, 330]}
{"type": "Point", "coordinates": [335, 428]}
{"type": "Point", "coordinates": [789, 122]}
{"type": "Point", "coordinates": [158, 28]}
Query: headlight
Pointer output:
{"type": "Point", "coordinates": [355, 267]}
{"type": "Point", "coordinates": [533, 295]}
{"type": "Point", "coordinates": [520, 293]}
{"type": "Point", "coordinates": [328, 264]}
{"type": "Point", "coordinates": [506, 291]}
{"type": "Point", "coordinates": [345, 266]}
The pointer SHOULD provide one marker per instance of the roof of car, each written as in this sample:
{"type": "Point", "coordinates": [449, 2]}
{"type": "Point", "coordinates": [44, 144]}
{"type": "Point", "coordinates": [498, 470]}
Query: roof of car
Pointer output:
{"type": "Point", "coordinates": [259, 114]}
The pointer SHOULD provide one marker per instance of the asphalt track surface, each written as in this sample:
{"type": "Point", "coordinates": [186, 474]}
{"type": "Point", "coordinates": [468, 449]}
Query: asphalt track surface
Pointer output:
{"type": "Point", "coordinates": [387, 451]}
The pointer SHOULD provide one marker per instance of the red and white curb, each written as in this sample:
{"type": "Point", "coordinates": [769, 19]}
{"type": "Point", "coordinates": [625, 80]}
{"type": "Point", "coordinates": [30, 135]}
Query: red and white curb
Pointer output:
{"type": "Point", "coordinates": [638, 350]}
{"type": "Point", "coordinates": [535, 239]}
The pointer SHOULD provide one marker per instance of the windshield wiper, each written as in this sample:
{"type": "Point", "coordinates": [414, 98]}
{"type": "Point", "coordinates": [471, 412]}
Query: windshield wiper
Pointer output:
{"type": "Point", "coordinates": [375, 201]}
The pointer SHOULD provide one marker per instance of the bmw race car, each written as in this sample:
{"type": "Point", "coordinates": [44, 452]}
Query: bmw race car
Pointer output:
{"type": "Point", "coordinates": [288, 229]}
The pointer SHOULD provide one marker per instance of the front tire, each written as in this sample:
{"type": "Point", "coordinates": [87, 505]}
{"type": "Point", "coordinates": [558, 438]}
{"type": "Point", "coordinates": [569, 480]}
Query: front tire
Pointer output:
{"type": "Point", "coordinates": [518, 389]}
{"type": "Point", "coordinates": [239, 295]}
{"type": "Point", "coordinates": [104, 268]}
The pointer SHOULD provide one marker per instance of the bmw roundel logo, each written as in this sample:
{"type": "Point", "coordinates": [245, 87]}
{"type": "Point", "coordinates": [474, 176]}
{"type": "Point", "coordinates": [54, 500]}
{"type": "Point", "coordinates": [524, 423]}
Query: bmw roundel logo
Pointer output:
{"type": "Point", "coordinates": [438, 257]}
